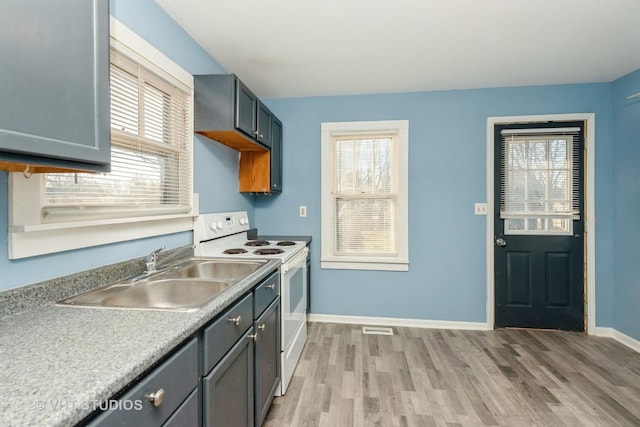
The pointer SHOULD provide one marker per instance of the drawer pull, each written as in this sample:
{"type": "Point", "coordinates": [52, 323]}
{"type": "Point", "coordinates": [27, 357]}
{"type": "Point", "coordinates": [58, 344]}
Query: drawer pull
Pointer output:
{"type": "Point", "coordinates": [271, 286]}
{"type": "Point", "coordinates": [262, 327]}
{"type": "Point", "coordinates": [156, 398]}
{"type": "Point", "coordinates": [235, 320]}
{"type": "Point", "coordinates": [253, 337]}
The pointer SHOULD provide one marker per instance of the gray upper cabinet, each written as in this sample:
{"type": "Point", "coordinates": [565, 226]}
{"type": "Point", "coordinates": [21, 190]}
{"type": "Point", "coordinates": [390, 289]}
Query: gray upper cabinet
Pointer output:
{"type": "Point", "coordinates": [246, 109]}
{"type": "Point", "coordinates": [228, 112]}
{"type": "Point", "coordinates": [54, 84]}
{"type": "Point", "coordinates": [276, 156]}
{"type": "Point", "coordinates": [263, 125]}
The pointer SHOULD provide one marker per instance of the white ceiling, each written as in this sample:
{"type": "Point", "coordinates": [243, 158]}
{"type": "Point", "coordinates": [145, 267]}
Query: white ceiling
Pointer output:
{"type": "Point", "coordinates": [291, 48]}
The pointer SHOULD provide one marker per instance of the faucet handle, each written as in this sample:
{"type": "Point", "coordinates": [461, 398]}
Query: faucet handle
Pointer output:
{"type": "Point", "coordinates": [153, 256]}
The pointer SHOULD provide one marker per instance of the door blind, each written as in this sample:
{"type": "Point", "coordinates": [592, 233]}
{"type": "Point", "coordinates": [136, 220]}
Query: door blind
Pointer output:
{"type": "Point", "coordinates": [365, 193]}
{"type": "Point", "coordinates": [151, 153]}
{"type": "Point", "coordinates": [540, 173]}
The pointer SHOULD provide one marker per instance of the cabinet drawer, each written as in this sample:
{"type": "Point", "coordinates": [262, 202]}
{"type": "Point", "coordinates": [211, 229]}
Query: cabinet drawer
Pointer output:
{"type": "Point", "coordinates": [177, 377]}
{"type": "Point", "coordinates": [224, 332]}
{"type": "Point", "coordinates": [187, 413]}
{"type": "Point", "coordinates": [266, 293]}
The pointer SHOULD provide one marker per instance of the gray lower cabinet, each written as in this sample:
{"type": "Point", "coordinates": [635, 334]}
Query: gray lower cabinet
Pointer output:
{"type": "Point", "coordinates": [236, 357]}
{"type": "Point", "coordinates": [188, 414]}
{"type": "Point", "coordinates": [54, 85]}
{"type": "Point", "coordinates": [267, 359]}
{"type": "Point", "coordinates": [165, 392]}
{"type": "Point", "coordinates": [239, 384]}
{"type": "Point", "coordinates": [227, 390]}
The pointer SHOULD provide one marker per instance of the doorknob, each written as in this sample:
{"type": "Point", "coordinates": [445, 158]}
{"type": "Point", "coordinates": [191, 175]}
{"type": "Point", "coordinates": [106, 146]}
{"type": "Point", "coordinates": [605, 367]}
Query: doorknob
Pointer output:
{"type": "Point", "coordinates": [501, 242]}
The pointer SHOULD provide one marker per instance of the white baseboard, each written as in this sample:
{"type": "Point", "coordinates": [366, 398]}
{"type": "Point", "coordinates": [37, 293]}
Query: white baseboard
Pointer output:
{"type": "Point", "coordinates": [392, 321]}
{"type": "Point", "coordinates": [632, 343]}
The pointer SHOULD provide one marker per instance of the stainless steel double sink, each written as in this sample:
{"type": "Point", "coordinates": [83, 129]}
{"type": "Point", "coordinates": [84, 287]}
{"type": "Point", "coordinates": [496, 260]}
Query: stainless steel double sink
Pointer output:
{"type": "Point", "coordinates": [184, 286]}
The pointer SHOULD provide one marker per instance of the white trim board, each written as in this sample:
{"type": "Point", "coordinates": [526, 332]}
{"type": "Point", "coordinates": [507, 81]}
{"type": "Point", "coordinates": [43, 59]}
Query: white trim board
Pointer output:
{"type": "Point", "coordinates": [392, 321]}
{"type": "Point", "coordinates": [590, 140]}
{"type": "Point", "coordinates": [630, 342]}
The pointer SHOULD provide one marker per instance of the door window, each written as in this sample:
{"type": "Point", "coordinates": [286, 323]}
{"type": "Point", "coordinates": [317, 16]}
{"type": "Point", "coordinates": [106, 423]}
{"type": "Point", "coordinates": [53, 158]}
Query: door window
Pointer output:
{"type": "Point", "coordinates": [539, 183]}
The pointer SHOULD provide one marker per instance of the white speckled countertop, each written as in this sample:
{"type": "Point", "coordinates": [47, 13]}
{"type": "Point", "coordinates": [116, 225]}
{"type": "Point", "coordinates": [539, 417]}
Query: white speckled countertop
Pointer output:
{"type": "Point", "coordinates": [55, 362]}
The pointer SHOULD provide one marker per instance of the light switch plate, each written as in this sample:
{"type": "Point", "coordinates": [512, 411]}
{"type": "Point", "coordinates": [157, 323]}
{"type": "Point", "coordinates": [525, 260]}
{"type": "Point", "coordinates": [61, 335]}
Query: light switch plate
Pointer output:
{"type": "Point", "coordinates": [303, 211]}
{"type": "Point", "coordinates": [480, 208]}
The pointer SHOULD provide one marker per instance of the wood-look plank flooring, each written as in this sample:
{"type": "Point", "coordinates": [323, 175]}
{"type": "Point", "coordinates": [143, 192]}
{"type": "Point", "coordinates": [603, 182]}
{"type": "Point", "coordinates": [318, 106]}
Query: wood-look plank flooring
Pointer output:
{"type": "Point", "coordinates": [430, 377]}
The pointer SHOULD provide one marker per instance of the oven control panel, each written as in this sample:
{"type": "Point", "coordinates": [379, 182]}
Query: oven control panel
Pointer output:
{"type": "Point", "coordinates": [214, 225]}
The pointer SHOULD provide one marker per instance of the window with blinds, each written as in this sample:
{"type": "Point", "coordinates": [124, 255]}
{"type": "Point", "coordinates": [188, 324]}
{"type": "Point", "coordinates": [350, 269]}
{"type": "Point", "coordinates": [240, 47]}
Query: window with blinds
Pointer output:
{"type": "Point", "coordinates": [540, 190]}
{"type": "Point", "coordinates": [364, 195]}
{"type": "Point", "coordinates": [151, 154]}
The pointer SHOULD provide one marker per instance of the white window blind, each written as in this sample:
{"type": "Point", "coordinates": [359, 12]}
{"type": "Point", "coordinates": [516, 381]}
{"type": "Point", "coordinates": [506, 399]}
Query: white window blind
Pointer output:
{"type": "Point", "coordinates": [540, 191]}
{"type": "Point", "coordinates": [365, 193]}
{"type": "Point", "coordinates": [151, 153]}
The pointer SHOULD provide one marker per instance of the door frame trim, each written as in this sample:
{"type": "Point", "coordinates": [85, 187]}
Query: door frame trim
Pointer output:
{"type": "Point", "coordinates": [589, 205]}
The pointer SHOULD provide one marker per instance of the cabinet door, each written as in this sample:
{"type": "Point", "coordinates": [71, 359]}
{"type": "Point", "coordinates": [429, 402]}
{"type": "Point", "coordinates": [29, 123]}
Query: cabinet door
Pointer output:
{"type": "Point", "coordinates": [228, 389]}
{"type": "Point", "coordinates": [267, 349]}
{"type": "Point", "coordinates": [54, 89]}
{"type": "Point", "coordinates": [276, 156]}
{"type": "Point", "coordinates": [246, 107]}
{"type": "Point", "coordinates": [264, 125]}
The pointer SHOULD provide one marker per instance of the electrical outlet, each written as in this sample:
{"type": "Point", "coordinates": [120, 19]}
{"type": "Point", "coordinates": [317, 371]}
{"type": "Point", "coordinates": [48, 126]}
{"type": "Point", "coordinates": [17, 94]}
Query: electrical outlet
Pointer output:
{"type": "Point", "coordinates": [303, 211]}
{"type": "Point", "coordinates": [480, 208]}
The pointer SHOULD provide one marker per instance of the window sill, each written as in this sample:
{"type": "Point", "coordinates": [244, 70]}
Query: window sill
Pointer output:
{"type": "Point", "coordinates": [365, 265]}
{"type": "Point", "coordinates": [31, 240]}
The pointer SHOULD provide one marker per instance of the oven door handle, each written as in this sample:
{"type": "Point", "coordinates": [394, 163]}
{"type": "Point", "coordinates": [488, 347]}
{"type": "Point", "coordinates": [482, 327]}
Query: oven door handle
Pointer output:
{"type": "Point", "coordinates": [300, 258]}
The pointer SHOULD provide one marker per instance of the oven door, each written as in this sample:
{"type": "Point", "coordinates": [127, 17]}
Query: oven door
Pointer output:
{"type": "Point", "coordinates": [293, 284]}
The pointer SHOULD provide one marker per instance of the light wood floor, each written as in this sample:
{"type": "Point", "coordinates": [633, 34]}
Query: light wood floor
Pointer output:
{"type": "Point", "coordinates": [427, 377]}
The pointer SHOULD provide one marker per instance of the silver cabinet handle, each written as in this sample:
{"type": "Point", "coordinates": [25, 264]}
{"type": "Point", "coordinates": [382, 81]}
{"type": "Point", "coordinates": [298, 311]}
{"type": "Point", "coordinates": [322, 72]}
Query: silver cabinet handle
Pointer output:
{"type": "Point", "coordinates": [262, 327]}
{"type": "Point", "coordinates": [156, 398]}
{"type": "Point", "coordinates": [253, 337]}
{"type": "Point", "coordinates": [271, 286]}
{"type": "Point", "coordinates": [235, 320]}
{"type": "Point", "coordinates": [501, 242]}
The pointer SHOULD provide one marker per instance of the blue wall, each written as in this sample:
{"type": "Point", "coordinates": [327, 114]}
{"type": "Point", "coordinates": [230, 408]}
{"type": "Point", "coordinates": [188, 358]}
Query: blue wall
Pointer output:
{"type": "Point", "coordinates": [216, 170]}
{"type": "Point", "coordinates": [626, 134]}
{"type": "Point", "coordinates": [447, 174]}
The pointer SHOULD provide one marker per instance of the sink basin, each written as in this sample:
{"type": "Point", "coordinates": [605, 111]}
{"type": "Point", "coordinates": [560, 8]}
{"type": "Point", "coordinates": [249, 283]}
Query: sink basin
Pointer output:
{"type": "Point", "coordinates": [185, 286]}
{"type": "Point", "coordinates": [161, 294]}
{"type": "Point", "coordinates": [185, 294]}
{"type": "Point", "coordinates": [228, 271]}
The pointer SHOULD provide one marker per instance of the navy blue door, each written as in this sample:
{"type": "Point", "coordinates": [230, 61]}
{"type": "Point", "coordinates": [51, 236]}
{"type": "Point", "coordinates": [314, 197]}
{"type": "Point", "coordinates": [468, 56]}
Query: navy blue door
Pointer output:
{"type": "Point", "coordinates": [539, 226]}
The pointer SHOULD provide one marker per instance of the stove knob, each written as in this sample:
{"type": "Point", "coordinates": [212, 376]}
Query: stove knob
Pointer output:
{"type": "Point", "coordinates": [243, 221]}
{"type": "Point", "coordinates": [220, 225]}
{"type": "Point", "coordinates": [213, 226]}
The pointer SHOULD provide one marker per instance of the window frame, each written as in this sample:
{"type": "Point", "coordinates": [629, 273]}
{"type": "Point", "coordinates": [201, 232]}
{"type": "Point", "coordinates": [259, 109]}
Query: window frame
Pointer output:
{"type": "Point", "coordinates": [329, 258]}
{"type": "Point", "coordinates": [30, 236]}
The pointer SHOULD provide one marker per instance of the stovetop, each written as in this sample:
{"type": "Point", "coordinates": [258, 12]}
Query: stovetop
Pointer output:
{"type": "Point", "coordinates": [225, 235]}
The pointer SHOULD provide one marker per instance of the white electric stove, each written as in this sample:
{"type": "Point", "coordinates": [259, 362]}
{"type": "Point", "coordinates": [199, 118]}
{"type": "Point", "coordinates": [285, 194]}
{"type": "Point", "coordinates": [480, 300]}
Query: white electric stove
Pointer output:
{"type": "Point", "coordinates": [225, 235]}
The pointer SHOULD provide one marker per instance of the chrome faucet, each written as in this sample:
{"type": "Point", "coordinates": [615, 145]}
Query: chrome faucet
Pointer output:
{"type": "Point", "coordinates": [175, 253]}
{"type": "Point", "coordinates": [151, 260]}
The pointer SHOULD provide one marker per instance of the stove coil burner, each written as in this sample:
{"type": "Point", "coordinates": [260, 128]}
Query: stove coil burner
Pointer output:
{"type": "Point", "coordinates": [257, 243]}
{"type": "Point", "coordinates": [286, 243]}
{"type": "Point", "coordinates": [235, 251]}
{"type": "Point", "coordinates": [268, 251]}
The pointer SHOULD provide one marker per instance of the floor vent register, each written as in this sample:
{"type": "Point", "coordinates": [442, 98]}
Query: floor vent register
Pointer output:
{"type": "Point", "coordinates": [376, 330]}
